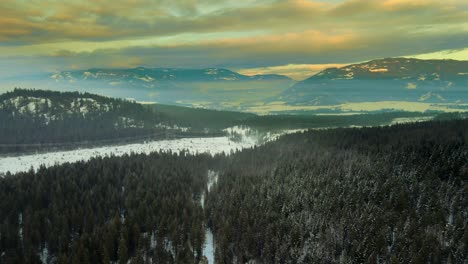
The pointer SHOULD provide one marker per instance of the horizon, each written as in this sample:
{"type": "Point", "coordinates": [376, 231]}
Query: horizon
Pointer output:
{"type": "Point", "coordinates": [249, 72]}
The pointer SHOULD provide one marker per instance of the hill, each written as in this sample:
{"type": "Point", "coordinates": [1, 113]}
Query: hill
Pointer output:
{"type": "Point", "coordinates": [36, 118]}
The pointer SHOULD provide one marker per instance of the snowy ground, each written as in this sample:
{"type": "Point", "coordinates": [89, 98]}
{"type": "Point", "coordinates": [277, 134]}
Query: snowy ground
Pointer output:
{"type": "Point", "coordinates": [246, 138]}
{"type": "Point", "coordinates": [208, 247]}
{"type": "Point", "coordinates": [193, 145]}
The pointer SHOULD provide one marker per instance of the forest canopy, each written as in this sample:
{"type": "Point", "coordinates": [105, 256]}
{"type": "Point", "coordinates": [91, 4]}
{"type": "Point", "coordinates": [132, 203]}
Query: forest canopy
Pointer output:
{"type": "Point", "coordinates": [394, 194]}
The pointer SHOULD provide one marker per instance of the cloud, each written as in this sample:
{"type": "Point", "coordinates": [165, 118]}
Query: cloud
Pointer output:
{"type": "Point", "coordinates": [244, 34]}
{"type": "Point", "coordinates": [51, 21]}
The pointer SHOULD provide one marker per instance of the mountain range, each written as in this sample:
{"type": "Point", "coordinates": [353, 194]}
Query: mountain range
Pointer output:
{"type": "Point", "coordinates": [150, 77]}
{"type": "Point", "coordinates": [216, 87]}
{"type": "Point", "coordinates": [392, 79]}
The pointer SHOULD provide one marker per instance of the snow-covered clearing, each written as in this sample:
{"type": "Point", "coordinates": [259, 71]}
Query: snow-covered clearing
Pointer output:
{"type": "Point", "coordinates": [213, 145]}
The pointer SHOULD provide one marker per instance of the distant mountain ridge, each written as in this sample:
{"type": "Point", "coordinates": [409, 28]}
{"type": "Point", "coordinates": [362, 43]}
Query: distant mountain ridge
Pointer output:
{"type": "Point", "coordinates": [148, 76]}
{"type": "Point", "coordinates": [211, 87]}
{"type": "Point", "coordinates": [390, 80]}
{"type": "Point", "coordinates": [399, 68]}
{"type": "Point", "coordinates": [395, 79]}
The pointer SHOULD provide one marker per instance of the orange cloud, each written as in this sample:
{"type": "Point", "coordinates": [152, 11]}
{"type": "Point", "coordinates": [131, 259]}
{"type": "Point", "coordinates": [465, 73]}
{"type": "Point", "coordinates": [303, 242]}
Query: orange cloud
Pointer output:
{"type": "Point", "coordinates": [51, 21]}
{"type": "Point", "coordinates": [243, 33]}
{"type": "Point", "coordinates": [312, 40]}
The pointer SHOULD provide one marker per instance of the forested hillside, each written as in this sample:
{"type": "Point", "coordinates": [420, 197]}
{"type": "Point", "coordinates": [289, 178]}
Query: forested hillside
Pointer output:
{"type": "Point", "coordinates": [199, 118]}
{"type": "Point", "coordinates": [377, 195]}
{"type": "Point", "coordinates": [35, 118]}
{"type": "Point", "coordinates": [370, 195]}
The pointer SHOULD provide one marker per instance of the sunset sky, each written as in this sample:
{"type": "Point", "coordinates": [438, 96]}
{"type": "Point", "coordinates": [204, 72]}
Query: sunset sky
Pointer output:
{"type": "Point", "coordinates": [292, 37]}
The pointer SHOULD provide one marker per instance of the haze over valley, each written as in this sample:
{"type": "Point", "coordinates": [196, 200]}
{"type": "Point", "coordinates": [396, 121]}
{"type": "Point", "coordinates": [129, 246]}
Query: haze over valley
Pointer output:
{"type": "Point", "coordinates": [392, 84]}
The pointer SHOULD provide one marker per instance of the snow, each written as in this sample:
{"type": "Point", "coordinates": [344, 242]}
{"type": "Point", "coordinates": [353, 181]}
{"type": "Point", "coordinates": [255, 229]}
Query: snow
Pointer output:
{"type": "Point", "coordinates": [44, 255]}
{"type": "Point", "coordinates": [88, 74]}
{"type": "Point", "coordinates": [56, 76]}
{"type": "Point", "coordinates": [228, 78]}
{"type": "Point", "coordinates": [211, 71]}
{"type": "Point", "coordinates": [28, 108]}
{"type": "Point", "coordinates": [379, 70]}
{"type": "Point", "coordinates": [349, 75]}
{"type": "Point", "coordinates": [430, 95]}
{"type": "Point", "coordinates": [173, 127]}
{"type": "Point", "coordinates": [145, 78]}
{"type": "Point", "coordinates": [411, 86]}
{"type": "Point", "coordinates": [213, 145]}
{"type": "Point", "coordinates": [208, 247]}
{"type": "Point", "coordinates": [403, 120]}
{"type": "Point", "coordinates": [212, 179]}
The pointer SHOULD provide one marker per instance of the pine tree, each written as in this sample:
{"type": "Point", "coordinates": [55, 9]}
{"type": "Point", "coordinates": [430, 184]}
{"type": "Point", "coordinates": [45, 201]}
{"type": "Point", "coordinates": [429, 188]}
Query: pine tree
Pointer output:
{"type": "Point", "coordinates": [105, 256]}
{"type": "Point", "coordinates": [123, 251]}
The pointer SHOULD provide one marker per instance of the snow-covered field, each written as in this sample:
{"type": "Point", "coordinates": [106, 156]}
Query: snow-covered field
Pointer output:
{"type": "Point", "coordinates": [212, 145]}
{"type": "Point", "coordinates": [246, 138]}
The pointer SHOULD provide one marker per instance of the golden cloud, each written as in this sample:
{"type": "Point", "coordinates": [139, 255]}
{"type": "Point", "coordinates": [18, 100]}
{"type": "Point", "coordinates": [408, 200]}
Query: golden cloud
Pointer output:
{"type": "Point", "coordinates": [51, 21]}
{"type": "Point", "coordinates": [242, 34]}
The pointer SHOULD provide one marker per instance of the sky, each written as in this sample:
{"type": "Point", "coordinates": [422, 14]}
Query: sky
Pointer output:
{"type": "Point", "coordinates": [293, 37]}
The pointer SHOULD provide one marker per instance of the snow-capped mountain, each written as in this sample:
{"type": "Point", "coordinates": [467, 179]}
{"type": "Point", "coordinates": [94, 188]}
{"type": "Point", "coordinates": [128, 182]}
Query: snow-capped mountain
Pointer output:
{"type": "Point", "coordinates": [396, 79]}
{"type": "Point", "coordinates": [210, 87]}
{"type": "Point", "coordinates": [150, 77]}
{"type": "Point", "coordinates": [399, 69]}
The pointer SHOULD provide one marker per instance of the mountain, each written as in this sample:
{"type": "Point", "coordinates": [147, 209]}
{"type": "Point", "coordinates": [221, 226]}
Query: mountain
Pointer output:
{"type": "Point", "coordinates": [210, 87]}
{"type": "Point", "coordinates": [391, 79]}
{"type": "Point", "coordinates": [151, 77]}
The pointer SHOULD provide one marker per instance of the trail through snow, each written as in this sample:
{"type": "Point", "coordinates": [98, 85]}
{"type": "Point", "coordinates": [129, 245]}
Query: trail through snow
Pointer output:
{"type": "Point", "coordinates": [208, 247]}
